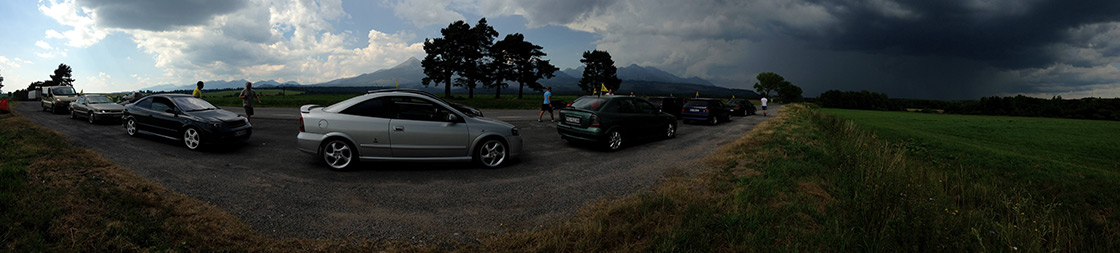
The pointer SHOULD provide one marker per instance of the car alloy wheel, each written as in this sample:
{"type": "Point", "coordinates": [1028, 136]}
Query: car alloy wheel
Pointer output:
{"type": "Point", "coordinates": [73, 115]}
{"type": "Point", "coordinates": [130, 127]}
{"type": "Point", "coordinates": [714, 120]}
{"type": "Point", "coordinates": [615, 141]}
{"type": "Point", "coordinates": [492, 153]}
{"type": "Point", "coordinates": [191, 138]}
{"type": "Point", "coordinates": [91, 120]}
{"type": "Point", "coordinates": [338, 154]}
{"type": "Point", "coordinates": [670, 131]}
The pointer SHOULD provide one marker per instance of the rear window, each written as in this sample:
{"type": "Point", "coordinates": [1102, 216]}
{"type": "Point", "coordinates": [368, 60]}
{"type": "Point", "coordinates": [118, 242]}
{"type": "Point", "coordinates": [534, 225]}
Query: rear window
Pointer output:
{"type": "Point", "coordinates": [699, 103]}
{"type": "Point", "coordinates": [589, 103]}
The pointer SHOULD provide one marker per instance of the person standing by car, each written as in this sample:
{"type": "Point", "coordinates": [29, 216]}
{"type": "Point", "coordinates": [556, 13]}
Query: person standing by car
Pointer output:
{"type": "Point", "coordinates": [547, 105]}
{"type": "Point", "coordinates": [247, 96]}
{"type": "Point", "coordinates": [764, 100]}
{"type": "Point", "coordinates": [198, 91]}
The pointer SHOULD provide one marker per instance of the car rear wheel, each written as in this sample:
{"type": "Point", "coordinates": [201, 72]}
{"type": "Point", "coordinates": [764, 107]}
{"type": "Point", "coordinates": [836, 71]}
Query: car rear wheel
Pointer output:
{"type": "Point", "coordinates": [192, 138]}
{"type": "Point", "coordinates": [338, 154]}
{"type": "Point", "coordinates": [491, 153]}
{"type": "Point", "coordinates": [73, 114]}
{"type": "Point", "coordinates": [130, 127]}
{"type": "Point", "coordinates": [714, 120]}
{"type": "Point", "coordinates": [91, 120]}
{"type": "Point", "coordinates": [670, 131]}
{"type": "Point", "coordinates": [614, 140]}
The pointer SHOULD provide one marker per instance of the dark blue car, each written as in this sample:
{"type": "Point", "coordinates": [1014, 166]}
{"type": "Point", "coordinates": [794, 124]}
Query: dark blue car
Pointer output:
{"type": "Point", "coordinates": [710, 110]}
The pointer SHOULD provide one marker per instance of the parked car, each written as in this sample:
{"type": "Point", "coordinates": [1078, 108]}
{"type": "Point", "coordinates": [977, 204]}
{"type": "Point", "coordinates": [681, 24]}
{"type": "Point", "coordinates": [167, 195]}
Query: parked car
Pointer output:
{"type": "Point", "coordinates": [403, 125]}
{"type": "Point", "coordinates": [709, 110]}
{"type": "Point", "coordinates": [95, 108]}
{"type": "Point", "coordinates": [611, 120]}
{"type": "Point", "coordinates": [182, 117]}
{"type": "Point", "coordinates": [671, 105]}
{"type": "Point", "coordinates": [741, 107]}
{"type": "Point", "coordinates": [57, 98]}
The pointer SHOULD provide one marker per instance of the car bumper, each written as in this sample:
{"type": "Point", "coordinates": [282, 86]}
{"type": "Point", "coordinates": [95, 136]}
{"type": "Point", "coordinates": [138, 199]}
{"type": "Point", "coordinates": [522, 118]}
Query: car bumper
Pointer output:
{"type": "Point", "coordinates": [107, 116]}
{"type": "Point", "coordinates": [515, 145]}
{"type": "Point", "coordinates": [309, 142]}
{"type": "Point", "coordinates": [232, 135]}
{"type": "Point", "coordinates": [583, 134]}
{"type": "Point", "coordinates": [691, 116]}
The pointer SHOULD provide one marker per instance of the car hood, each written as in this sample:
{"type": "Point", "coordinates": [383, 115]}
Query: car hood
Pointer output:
{"type": "Point", "coordinates": [106, 106]}
{"type": "Point", "coordinates": [493, 121]}
{"type": "Point", "coordinates": [215, 115]}
{"type": "Point", "coordinates": [70, 98]}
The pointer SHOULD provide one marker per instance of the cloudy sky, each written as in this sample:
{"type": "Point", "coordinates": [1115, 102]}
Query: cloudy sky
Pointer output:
{"type": "Point", "coordinates": [950, 49]}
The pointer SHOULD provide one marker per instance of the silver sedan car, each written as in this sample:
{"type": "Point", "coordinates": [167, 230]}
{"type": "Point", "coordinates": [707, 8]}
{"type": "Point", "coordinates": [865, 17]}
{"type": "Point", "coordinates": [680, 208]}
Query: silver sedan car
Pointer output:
{"type": "Point", "coordinates": [404, 125]}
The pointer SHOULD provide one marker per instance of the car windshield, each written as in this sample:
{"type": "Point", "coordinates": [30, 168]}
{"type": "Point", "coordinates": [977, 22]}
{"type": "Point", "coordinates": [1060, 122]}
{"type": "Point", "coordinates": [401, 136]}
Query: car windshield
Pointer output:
{"type": "Point", "coordinates": [63, 91]}
{"type": "Point", "coordinates": [189, 104]}
{"type": "Point", "coordinates": [589, 103]}
{"type": "Point", "coordinates": [698, 103]}
{"type": "Point", "coordinates": [98, 99]}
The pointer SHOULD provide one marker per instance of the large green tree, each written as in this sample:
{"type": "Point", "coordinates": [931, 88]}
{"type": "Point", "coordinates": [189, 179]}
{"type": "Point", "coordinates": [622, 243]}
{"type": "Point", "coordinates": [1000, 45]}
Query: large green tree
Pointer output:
{"type": "Point", "coordinates": [461, 53]}
{"type": "Point", "coordinates": [769, 82]}
{"type": "Point", "coordinates": [789, 93]}
{"type": "Point", "coordinates": [443, 56]}
{"type": "Point", "coordinates": [599, 70]}
{"type": "Point", "coordinates": [476, 44]}
{"type": "Point", "coordinates": [515, 59]}
{"type": "Point", "coordinates": [63, 75]}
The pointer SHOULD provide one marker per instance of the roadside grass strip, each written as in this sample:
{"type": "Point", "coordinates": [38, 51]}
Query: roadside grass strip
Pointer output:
{"type": "Point", "coordinates": [805, 181]}
{"type": "Point", "coordinates": [56, 197]}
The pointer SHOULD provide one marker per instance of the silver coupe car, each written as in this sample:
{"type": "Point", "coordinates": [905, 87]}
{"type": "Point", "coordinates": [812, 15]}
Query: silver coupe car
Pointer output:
{"type": "Point", "coordinates": [404, 125]}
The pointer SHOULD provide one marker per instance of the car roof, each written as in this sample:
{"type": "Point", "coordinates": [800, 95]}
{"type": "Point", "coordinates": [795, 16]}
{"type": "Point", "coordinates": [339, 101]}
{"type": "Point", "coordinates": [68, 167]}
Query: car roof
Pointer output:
{"type": "Point", "coordinates": [704, 99]}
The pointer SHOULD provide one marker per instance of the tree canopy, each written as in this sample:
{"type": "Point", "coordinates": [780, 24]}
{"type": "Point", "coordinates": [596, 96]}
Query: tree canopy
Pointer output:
{"type": "Point", "coordinates": [515, 59]}
{"type": "Point", "coordinates": [461, 52]}
{"type": "Point", "coordinates": [599, 70]}
{"type": "Point", "coordinates": [63, 75]}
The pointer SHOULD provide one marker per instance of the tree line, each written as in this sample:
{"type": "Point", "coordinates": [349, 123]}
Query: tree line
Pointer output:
{"type": "Point", "coordinates": [468, 57]}
{"type": "Point", "coordinates": [1055, 107]}
{"type": "Point", "coordinates": [62, 76]}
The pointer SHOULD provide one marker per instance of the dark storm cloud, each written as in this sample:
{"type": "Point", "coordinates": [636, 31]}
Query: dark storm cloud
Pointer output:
{"type": "Point", "coordinates": [1008, 34]}
{"type": "Point", "coordinates": [158, 15]}
{"type": "Point", "coordinates": [551, 11]}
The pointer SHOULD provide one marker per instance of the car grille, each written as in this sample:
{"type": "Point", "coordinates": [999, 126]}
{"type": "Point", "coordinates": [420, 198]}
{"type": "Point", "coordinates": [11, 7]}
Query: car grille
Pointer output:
{"type": "Point", "coordinates": [236, 123]}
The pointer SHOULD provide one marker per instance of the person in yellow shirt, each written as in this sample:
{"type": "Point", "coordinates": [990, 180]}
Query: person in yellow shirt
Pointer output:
{"type": "Point", "coordinates": [198, 91]}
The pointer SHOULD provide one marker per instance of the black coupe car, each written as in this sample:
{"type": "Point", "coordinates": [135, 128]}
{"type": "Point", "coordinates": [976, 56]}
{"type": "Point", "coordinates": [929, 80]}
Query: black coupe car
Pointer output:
{"type": "Point", "coordinates": [741, 107]}
{"type": "Point", "coordinates": [183, 117]}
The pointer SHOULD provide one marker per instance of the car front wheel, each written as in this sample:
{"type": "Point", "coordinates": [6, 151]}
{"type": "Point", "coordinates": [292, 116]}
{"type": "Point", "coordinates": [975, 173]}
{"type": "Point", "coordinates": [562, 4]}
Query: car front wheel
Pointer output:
{"type": "Point", "coordinates": [338, 154]}
{"type": "Point", "coordinates": [192, 138]}
{"type": "Point", "coordinates": [73, 114]}
{"type": "Point", "coordinates": [130, 127]}
{"type": "Point", "coordinates": [492, 153]}
{"type": "Point", "coordinates": [670, 131]}
{"type": "Point", "coordinates": [91, 120]}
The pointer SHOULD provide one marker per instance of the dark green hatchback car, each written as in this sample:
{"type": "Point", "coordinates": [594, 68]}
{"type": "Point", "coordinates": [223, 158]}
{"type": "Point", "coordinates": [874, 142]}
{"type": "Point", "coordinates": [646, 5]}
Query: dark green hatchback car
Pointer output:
{"type": "Point", "coordinates": [614, 121]}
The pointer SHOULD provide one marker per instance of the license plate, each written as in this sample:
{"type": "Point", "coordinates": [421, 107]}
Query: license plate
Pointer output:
{"type": "Point", "coordinates": [240, 133]}
{"type": "Point", "coordinates": [694, 110]}
{"type": "Point", "coordinates": [574, 120]}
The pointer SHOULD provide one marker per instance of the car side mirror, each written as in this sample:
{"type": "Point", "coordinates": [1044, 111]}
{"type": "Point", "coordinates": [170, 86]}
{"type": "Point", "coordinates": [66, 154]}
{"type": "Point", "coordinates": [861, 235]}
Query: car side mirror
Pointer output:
{"type": "Point", "coordinates": [171, 110]}
{"type": "Point", "coordinates": [451, 117]}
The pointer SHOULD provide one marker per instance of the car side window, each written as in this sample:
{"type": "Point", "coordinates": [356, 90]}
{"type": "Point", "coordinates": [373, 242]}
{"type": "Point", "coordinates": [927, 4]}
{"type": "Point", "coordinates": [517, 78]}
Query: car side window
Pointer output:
{"type": "Point", "coordinates": [644, 107]}
{"type": "Point", "coordinates": [626, 106]}
{"type": "Point", "coordinates": [81, 100]}
{"type": "Point", "coordinates": [144, 103]}
{"type": "Point", "coordinates": [416, 109]}
{"type": "Point", "coordinates": [161, 104]}
{"type": "Point", "coordinates": [377, 107]}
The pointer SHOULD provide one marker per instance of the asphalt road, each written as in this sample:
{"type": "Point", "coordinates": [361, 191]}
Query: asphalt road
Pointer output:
{"type": "Point", "coordinates": [283, 192]}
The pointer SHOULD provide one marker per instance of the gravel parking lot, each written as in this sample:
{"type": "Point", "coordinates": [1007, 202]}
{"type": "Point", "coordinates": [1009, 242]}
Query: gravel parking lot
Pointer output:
{"type": "Point", "coordinates": [283, 192]}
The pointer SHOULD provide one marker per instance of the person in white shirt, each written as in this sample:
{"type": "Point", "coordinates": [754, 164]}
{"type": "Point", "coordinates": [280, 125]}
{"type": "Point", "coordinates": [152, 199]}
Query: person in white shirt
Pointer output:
{"type": "Point", "coordinates": [764, 100]}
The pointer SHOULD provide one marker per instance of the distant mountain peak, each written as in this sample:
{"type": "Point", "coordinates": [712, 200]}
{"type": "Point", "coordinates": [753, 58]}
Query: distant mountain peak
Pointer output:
{"type": "Point", "coordinates": [412, 61]}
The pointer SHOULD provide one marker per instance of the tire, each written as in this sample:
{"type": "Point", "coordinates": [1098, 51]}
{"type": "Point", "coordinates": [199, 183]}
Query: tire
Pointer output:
{"type": "Point", "coordinates": [130, 127]}
{"type": "Point", "coordinates": [492, 153]}
{"type": "Point", "coordinates": [714, 120]}
{"type": "Point", "coordinates": [614, 140]}
{"type": "Point", "coordinates": [91, 120]}
{"type": "Point", "coordinates": [192, 138]}
{"type": "Point", "coordinates": [73, 114]}
{"type": "Point", "coordinates": [670, 131]}
{"type": "Point", "coordinates": [338, 154]}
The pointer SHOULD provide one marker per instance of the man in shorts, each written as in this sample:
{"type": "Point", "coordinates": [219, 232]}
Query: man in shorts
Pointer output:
{"type": "Point", "coordinates": [764, 100]}
{"type": "Point", "coordinates": [547, 106]}
{"type": "Point", "coordinates": [247, 96]}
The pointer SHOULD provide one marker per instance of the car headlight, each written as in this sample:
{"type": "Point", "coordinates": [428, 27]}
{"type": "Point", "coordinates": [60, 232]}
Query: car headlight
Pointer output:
{"type": "Point", "coordinates": [216, 125]}
{"type": "Point", "coordinates": [515, 132]}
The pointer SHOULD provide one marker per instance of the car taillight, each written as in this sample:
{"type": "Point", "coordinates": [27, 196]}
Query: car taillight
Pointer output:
{"type": "Point", "coordinates": [301, 123]}
{"type": "Point", "coordinates": [594, 121]}
{"type": "Point", "coordinates": [705, 110]}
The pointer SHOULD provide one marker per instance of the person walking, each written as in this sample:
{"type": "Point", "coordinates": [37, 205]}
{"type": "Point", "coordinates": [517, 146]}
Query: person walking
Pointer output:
{"type": "Point", "coordinates": [764, 100]}
{"type": "Point", "coordinates": [198, 91]}
{"type": "Point", "coordinates": [547, 106]}
{"type": "Point", "coordinates": [247, 96]}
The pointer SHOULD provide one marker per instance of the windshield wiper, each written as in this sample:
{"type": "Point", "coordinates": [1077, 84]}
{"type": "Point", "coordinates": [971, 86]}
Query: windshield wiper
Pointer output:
{"type": "Point", "coordinates": [203, 109]}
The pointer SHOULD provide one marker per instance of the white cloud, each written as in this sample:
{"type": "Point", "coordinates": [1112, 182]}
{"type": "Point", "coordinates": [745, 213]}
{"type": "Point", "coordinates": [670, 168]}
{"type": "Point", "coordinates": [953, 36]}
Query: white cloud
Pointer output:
{"type": "Point", "coordinates": [100, 82]}
{"type": "Point", "coordinates": [85, 32]}
{"type": "Point", "coordinates": [13, 63]}
{"type": "Point", "coordinates": [43, 45]}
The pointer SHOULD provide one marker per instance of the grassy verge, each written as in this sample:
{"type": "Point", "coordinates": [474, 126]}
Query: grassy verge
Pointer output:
{"type": "Point", "coordinates": [806, 181]}
{"type": "Point", "coordinates": [59, 198]}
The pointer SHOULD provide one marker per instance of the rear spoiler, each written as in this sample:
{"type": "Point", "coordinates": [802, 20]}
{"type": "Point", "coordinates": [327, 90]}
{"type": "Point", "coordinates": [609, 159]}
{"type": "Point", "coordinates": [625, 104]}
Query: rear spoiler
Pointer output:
{"type": "Point", "coordinates": [307, 108]}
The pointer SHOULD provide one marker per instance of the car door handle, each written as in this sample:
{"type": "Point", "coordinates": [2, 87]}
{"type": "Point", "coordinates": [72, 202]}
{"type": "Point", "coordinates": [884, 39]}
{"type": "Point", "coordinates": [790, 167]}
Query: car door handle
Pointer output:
{"type": "Point", "coordinates": [398, 128]}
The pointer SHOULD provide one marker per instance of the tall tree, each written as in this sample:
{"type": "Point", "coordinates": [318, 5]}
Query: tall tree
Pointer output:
{"type": "Point", "coordinates": [439, 65]}
{"type": "Point", "coordinates": [475, 46]}
{"type": "Point", "coordinates": [768, 82]}
{"type": "Point", "coordinates": [63, 75]}
{"type": "Point", "coordinates": [789, 93]}
{"type": "Point", "coordinates": [520, 61]}
{"type": "Point", "coordinates": [599, 70]}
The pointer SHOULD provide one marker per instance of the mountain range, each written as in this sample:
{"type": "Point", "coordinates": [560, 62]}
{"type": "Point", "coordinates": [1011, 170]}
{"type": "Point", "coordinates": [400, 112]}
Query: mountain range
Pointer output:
{"type": "Point", "coordinates": [408, 74]}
